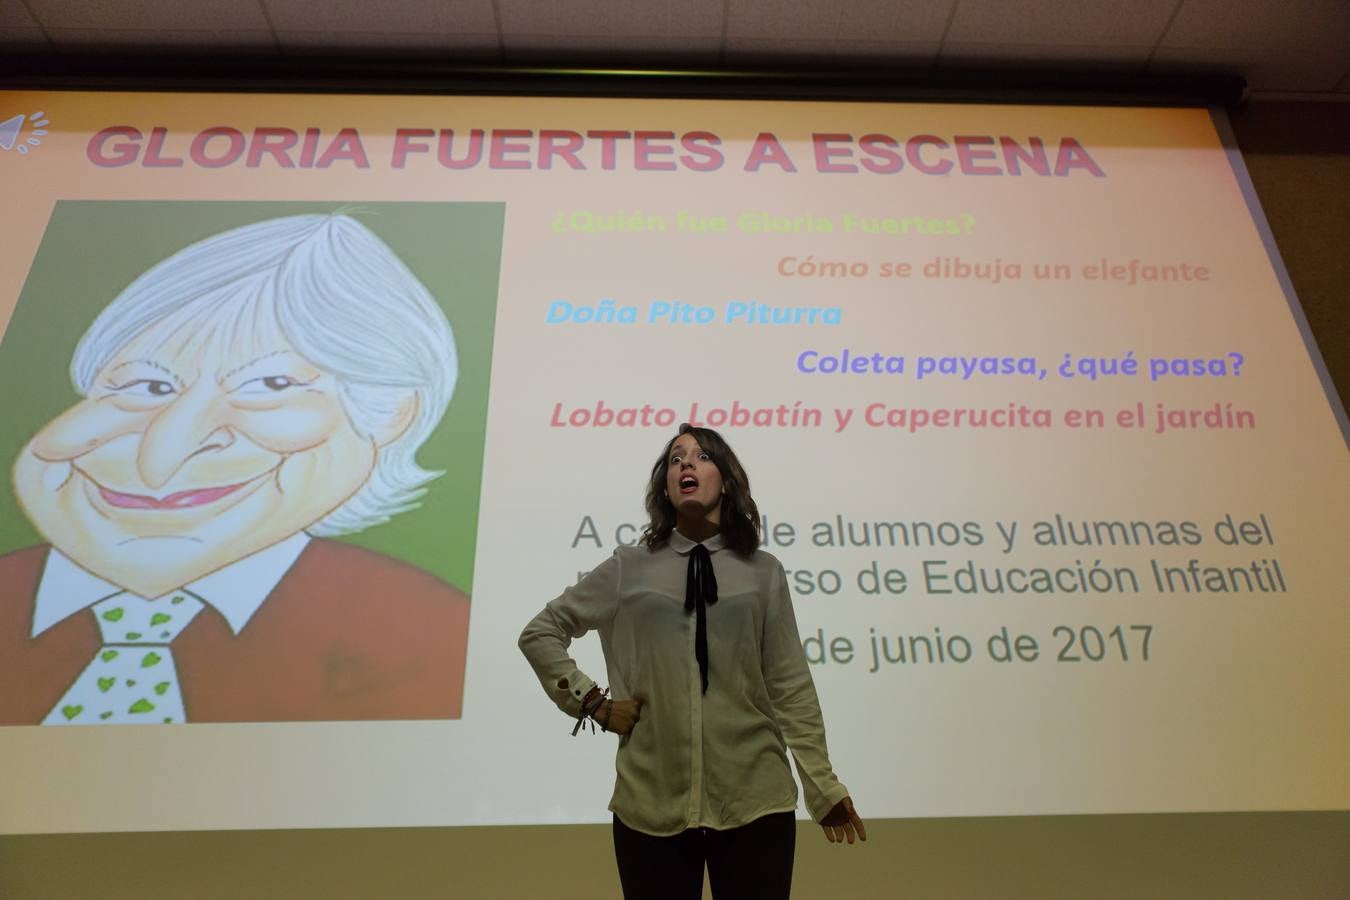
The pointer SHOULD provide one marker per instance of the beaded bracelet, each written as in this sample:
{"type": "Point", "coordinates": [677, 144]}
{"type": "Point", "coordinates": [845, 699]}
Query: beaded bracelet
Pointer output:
{"type": "Point", "coordinates": [588, 708]}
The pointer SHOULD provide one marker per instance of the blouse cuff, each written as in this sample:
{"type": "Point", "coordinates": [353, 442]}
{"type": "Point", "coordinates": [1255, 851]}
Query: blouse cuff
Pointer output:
{"type": "Point", "coordinates": [571, 689]}
{"type": "Point", "coordinates": [825, 802]}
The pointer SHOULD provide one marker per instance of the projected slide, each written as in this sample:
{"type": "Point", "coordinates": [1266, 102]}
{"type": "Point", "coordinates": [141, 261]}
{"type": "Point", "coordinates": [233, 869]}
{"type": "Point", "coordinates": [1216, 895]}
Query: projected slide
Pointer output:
{"type": "Point", "coordinates": [314, 401]}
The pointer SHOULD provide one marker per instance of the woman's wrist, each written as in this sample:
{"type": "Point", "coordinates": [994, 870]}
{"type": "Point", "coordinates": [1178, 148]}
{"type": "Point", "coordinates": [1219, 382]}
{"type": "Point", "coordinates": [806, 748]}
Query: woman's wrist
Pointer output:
{"type": "Point", "coordinates": [590, 704]}
{"type": "Point", "coordinates": [594, 699]}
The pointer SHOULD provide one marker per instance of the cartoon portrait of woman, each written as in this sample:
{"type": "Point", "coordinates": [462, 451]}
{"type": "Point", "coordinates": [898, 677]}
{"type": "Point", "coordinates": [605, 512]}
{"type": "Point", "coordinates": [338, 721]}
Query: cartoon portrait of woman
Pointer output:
{"type": "Point", "coordinates": [241, 404]}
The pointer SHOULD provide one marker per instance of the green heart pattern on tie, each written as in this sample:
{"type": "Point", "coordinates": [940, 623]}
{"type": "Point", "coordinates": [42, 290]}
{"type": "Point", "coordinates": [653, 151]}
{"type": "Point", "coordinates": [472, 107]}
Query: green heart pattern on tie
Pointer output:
{"type": "Point", "coordinates": [132, 678]}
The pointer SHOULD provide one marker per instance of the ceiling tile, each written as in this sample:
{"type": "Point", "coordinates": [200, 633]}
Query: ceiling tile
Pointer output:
{"type": "Point", "coordinates": [1261, 24]}
{"type": "Point", "coordinates": [14, 14]}
{"type": "Point", "coordinates": [1265, 69]}
{"type": "Point", "coordinates": [752, 17]}
{"type": "Point", "coordinates": [655, 18]}
{"type": "Point", "coordinates": [1069, 22]}
{"type": "Point", "coordinates": [152, 15]}
{"type": "Point", "coordinates": [557, 17]}
{"type": "Point", "coordinates": [385, 44]}
{"type": "Point", "coordinates": [911, 21]}
{"type": "Point", "coordinates": [809, 18]}
{"type": "Point", "coordinates": [145, 40]}
{"type": "Point", "coordinates": [972, 54]}
{"type": "Point", "coordinates": [526, 16]}
{"type": "Point", "coordinates": [383, 16]}
{"type": "Point", "coordinates": [805, 20]}
{"type": "Point", "coordinates": [14, 37]}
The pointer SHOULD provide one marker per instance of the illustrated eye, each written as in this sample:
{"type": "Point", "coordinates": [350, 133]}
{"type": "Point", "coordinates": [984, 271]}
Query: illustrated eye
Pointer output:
{"type": "Point", "coordinates": [268, 384]}
{"type": "Point", "coordinates": [146, 387]}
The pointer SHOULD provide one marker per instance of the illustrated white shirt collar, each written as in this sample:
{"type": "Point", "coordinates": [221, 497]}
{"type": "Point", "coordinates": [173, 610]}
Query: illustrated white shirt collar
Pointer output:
{"type": "Point", "coordinates": [235, 591]}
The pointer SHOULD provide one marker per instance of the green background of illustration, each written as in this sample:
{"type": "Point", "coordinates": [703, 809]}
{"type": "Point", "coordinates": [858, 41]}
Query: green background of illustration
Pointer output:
{"type": "Point", "coordinates": [91, 250]}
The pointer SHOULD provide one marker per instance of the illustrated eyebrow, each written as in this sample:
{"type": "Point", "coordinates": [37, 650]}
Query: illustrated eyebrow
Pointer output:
{"type": "Point", "coordinates": [226, 377]}
{"type": "Point", "coordinates": [152, 364]}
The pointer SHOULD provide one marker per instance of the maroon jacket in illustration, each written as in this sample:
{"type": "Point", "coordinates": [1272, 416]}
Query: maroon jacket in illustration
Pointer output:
{"type": "Point", "coordinates": [347, 634]}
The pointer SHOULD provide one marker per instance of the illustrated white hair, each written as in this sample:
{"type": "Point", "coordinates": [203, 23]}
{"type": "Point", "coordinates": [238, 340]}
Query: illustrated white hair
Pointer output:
{"type": "Point", "coordinates": [343, 300]}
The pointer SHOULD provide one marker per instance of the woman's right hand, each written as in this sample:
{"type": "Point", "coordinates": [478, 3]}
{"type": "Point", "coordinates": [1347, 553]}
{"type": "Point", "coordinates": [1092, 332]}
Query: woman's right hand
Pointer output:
{"type": "Point", "coordinates": [619, 716]}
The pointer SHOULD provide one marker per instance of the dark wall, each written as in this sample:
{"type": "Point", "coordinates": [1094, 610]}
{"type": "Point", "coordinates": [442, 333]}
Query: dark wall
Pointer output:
{"type": "Point", "coordinates": [1298, 155]}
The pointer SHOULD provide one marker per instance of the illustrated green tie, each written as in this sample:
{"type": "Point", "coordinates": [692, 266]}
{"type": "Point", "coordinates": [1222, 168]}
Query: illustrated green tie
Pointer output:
{"type": "Point", "coordinates": [132, 678]}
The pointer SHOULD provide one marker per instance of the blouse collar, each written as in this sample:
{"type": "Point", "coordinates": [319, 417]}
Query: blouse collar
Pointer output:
{"type": "Point", "coordinates": [682, 545]}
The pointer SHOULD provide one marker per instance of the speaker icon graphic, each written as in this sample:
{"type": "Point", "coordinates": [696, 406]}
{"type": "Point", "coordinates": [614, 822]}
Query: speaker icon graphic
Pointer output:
{"type": "Point", "coordinates": [12, 128]}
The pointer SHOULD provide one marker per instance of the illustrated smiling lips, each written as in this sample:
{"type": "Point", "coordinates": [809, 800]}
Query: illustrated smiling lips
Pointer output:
{"type": "Point", "coordinates": [178, 500]}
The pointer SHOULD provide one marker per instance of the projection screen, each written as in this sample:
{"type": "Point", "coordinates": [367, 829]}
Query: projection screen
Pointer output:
{"type": "Point", "coordinates": [313, 401]}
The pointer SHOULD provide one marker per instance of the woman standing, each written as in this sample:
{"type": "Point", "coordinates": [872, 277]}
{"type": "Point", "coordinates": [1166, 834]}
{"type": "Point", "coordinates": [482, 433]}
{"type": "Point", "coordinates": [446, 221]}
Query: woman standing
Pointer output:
{"type": "Point", "coordinates": [709, 686]}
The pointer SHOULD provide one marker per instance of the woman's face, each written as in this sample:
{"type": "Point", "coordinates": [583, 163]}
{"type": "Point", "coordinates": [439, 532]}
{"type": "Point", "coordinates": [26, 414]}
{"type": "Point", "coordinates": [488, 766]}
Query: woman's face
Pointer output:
{"type": "Point", "coordinates": [693, 482]}
{"type": "Point", "coordinates": [190, 452]}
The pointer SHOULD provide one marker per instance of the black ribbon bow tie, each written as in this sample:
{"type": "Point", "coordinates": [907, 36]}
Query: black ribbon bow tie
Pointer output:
{"type": "Point", "coordinates": [700, 592]}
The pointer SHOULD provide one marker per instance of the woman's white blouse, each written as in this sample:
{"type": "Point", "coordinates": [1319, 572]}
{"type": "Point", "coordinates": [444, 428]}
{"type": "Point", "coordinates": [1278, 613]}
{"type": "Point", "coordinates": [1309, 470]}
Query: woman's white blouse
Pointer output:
{"type": "Point", "coordinates": [713, 760]}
